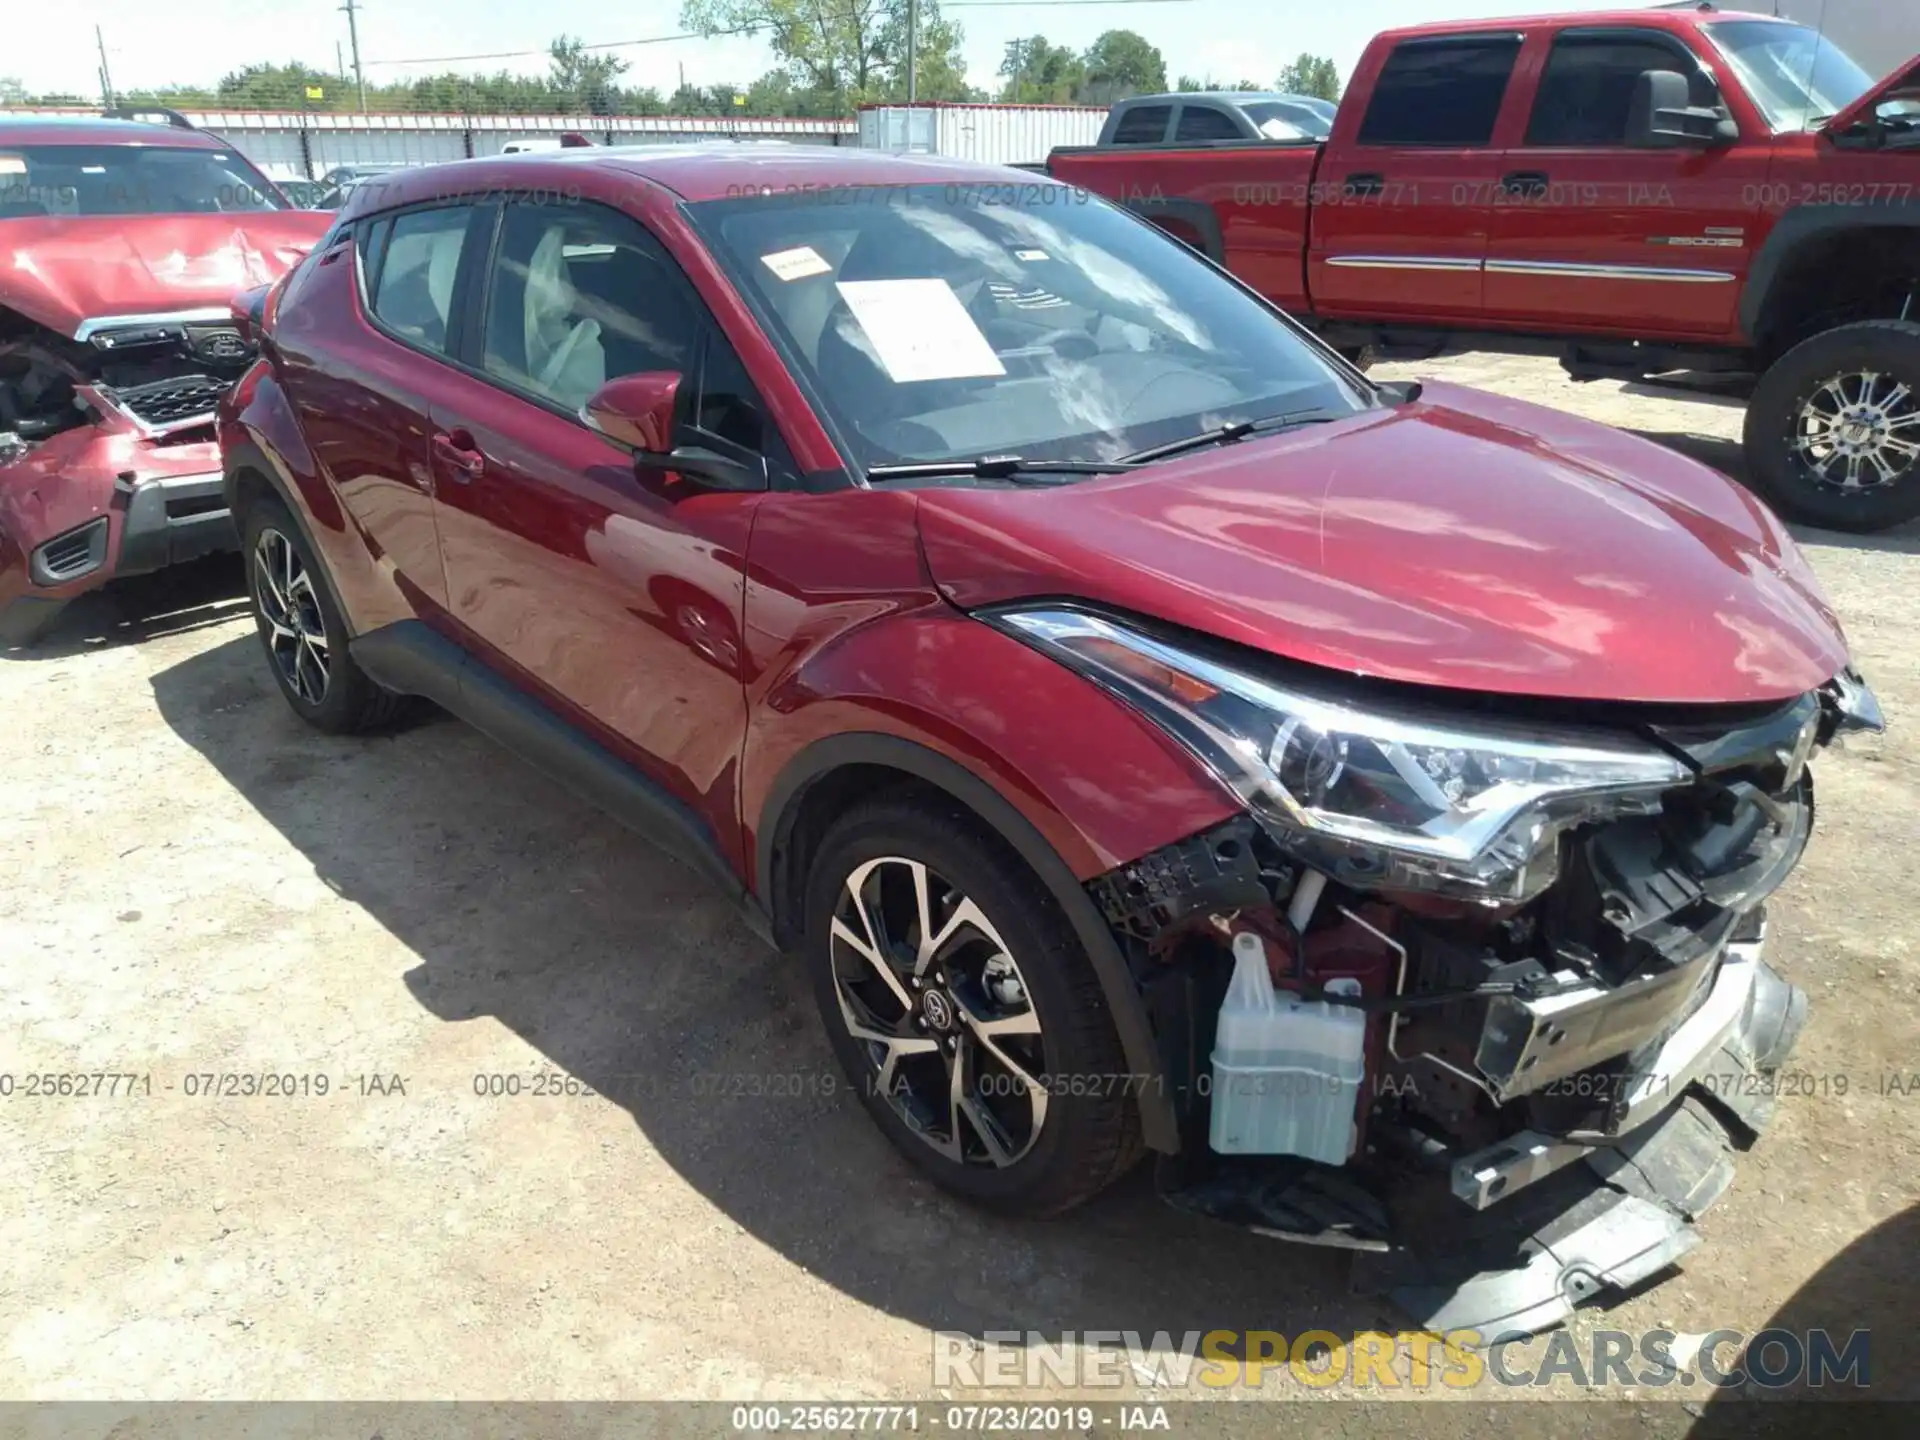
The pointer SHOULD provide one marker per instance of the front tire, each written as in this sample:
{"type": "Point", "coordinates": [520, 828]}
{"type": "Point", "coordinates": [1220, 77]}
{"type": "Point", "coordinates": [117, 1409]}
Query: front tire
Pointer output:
{"type": "Point", "coordinates": [302, 631]}
{"type": "Point", "coordinates": [1833, 428]}
{"type": "Point", "coordinates": [964, 1010]}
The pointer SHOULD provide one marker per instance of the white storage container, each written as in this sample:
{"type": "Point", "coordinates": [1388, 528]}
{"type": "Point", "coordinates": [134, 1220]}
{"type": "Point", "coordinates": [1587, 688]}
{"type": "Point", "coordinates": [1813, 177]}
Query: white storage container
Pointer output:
{"type": "Point", "coordinates": [991, 134]}
{"type": "Point", "coordinates": [1286, 1072]}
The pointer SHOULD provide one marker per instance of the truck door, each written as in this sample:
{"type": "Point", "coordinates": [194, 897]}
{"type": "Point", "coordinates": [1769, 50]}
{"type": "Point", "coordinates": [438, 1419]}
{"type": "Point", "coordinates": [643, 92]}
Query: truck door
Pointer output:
{"type": "Point", "coordinates": [1592, 233]}
{"type": "Point", "coordinates": [1403, 195]}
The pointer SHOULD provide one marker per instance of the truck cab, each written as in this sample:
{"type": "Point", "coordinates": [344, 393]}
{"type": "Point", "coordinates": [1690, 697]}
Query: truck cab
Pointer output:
{"type": "Point", "coordinates": [1210, 116]}
{"type": "Point", "coordinates": [1645, 192]}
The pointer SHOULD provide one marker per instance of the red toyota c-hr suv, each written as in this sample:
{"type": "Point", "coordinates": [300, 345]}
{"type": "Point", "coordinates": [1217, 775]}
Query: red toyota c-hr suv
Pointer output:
{"type": "Point", "coordinates": [1151, 734]}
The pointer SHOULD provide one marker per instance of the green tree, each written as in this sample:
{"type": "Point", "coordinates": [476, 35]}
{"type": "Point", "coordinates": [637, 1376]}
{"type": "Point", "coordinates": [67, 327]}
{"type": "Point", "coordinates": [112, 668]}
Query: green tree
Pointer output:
{"type": "Point", "coordinates": [1037, 72]}
{"type": "Point", "coordinates": [853, 49]}
{"type": "Point", "coordinates": [1121, 63]}
{"type": "Point", "coordinates": [582, 80]}
{"type": "Point", "coordinates": [1311, 75]}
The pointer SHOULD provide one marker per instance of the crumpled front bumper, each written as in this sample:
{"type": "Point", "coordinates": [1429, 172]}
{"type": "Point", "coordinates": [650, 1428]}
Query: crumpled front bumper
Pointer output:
{"type": "Point", "coordinates": [1611, 1212]}
{"type": "Point", "coordinates": [97, 502]}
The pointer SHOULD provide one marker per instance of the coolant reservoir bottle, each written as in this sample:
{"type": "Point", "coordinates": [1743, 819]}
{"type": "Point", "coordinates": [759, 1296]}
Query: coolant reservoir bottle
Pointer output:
{"type": "Point", "coordinates": [1286, 1072]}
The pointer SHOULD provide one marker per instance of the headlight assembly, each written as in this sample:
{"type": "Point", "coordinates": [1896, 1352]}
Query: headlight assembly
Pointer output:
{"type": "Point", "coordinates": [1378, 797]}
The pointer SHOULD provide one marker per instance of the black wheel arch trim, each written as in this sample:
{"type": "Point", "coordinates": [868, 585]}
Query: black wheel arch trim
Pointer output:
{"type": "Point", "coordinates": [1203, 219]}
{"type": "Point", "coordinates": [411, 658]}
{"type": "Point", "coordinates": [1117, 986]}
{"type": "Point", "coordinates": [1799, 227]}
{"type": "Point", "coordinates": [242, 455]}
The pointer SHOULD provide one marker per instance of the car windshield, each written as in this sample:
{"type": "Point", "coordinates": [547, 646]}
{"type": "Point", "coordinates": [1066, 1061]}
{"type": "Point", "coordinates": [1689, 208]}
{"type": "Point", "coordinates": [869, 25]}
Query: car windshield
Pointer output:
{"type": "Point", "coordinates": [1278, 120]}
{"type": "Point", "coordinates": [1796, 76]}
{"type": "Point", "coordinates": [128, 180]}
{"type": "Point", "coordinates": [939, 322]}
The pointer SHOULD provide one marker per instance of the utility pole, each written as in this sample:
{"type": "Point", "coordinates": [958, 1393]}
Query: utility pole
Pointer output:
{"type": "Point", "coordinates": [913, 45]}
{"type": "Point", "coordinates": [353, 38]}
{"type": "Point", "coordinates": [106, 80]}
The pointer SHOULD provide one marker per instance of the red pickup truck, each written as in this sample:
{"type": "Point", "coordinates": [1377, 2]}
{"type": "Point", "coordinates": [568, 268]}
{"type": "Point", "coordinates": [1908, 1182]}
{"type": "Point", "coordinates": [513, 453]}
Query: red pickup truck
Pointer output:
{"type": "Point", "coordinates": [1645, 192]}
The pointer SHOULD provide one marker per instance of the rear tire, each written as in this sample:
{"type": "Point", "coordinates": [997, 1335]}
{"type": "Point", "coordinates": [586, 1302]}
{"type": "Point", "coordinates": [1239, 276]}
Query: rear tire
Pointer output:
{"type": "Point", "coordinates": [302, 631]}
{"type": "Point", "coordinates": [1007, 994]}
{"type": "Point", "coordinates": [1828, 426]}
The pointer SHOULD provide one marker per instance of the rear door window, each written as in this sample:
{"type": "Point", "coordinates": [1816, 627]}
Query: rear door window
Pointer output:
{"type": "Point", "coordinates": [418, 260]}
{"type": "Point", "coordinates": [1143, 125]}
{"type": "Point", "coordinates": [1442, 92]}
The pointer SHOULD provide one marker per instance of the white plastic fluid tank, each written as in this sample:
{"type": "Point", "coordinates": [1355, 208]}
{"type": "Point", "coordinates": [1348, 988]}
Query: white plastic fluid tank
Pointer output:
{"type": "Point", "coordinates": [1286, 1072]}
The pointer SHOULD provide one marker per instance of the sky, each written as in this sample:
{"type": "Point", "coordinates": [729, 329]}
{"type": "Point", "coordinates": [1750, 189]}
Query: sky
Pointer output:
{"type": "Point", "coordinates": [149, 42]}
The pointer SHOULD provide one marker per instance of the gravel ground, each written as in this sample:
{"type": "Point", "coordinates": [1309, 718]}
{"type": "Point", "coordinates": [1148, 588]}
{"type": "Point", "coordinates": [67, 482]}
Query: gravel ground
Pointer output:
{"type": "Point", "coordinates": [198, 886]}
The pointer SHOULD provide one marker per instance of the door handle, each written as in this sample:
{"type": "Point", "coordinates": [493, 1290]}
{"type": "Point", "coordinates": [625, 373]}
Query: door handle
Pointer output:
{"type": "Point", "coordinates": [1369, 183]}
{"type": "Point", "coordinates": [455, 450]}
{"type": "Point", "coordinates": [1525, 184]}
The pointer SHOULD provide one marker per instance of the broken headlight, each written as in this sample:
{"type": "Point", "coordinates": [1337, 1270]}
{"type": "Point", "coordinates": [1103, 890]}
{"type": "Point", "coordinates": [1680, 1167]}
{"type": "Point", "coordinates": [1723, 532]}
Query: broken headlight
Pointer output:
{"type": "Point", "coordinates": [1377, 796]}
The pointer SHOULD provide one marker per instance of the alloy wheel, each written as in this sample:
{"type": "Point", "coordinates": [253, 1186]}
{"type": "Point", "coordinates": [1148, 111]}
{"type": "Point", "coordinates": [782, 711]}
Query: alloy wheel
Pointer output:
{"type": "Point", "coordinates": [290, 609]}
{"type": "Point", "coordinates": [937, 1002]}
{"type": "Point", "coordinates": [1859, 431]}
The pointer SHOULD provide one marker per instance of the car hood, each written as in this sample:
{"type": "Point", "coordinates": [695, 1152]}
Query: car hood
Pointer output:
{"type": "Point", "coordinates": [1899, 80]}
{"type": "Point", "coordinates": [1463, 540]}
{"type": "Point", "coordinates": [61, 270]}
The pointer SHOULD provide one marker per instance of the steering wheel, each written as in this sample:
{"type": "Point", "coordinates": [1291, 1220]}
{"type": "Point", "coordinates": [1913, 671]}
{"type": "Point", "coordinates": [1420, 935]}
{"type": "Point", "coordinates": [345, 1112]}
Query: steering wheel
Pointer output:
{"type": "Point", "coordinates": [1069, 341]}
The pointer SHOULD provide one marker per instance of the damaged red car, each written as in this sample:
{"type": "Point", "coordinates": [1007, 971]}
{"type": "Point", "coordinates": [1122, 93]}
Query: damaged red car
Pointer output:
{"type": "Point", "coordinates": [121, 245]}
{"type": "Point", "coordinates": [1152, 736]}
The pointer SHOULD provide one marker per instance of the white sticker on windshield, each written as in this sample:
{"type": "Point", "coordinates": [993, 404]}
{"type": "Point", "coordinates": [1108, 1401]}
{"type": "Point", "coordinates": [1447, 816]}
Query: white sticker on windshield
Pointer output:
{"type": "Point", "coordinates": [13, 165]}
{"type": "Point", "coordinates": [920, 330]}
{"type": "Point", "coordinates": [1029, 254]}
{"type": "Point", "coordinates": [796, 264]}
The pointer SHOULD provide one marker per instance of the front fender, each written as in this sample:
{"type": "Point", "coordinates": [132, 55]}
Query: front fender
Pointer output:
{"type": "Point", "coordinates": [1072, 780]}
{"type": "Point", "coordinates": [260, 436]}
{"type": "Point", "coordinates": [1803, 226]}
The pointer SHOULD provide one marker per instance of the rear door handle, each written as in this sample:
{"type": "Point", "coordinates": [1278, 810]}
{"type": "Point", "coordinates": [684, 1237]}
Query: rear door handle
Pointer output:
{"type": "Point", "coordinates": [458, 455]}
{"type": "Point", "coordinates": [1369, 183]}
{"type": "Point", "coordinates": [1525, 184]}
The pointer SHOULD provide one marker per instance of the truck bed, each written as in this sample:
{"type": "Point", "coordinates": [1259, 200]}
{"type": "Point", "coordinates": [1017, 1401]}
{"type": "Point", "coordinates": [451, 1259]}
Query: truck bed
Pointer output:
{"type": "Point", "coordinates": [1243, 204]}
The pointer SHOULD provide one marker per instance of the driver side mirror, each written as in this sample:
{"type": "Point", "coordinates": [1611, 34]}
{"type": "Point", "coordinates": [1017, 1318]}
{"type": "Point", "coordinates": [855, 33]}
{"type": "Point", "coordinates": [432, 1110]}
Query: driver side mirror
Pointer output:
{"type": "Point", "coordinates": [1664, 117]}
{"type": "Point", "coordinates": [637, 411]}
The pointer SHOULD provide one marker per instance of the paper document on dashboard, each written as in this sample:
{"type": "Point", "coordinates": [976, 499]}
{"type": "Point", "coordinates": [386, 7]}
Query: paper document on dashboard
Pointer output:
{"type": "Point", "coordinates": [920, 330]}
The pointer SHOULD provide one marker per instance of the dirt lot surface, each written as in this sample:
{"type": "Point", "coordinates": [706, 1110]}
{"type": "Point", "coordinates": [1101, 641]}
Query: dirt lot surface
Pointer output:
{"type": "Point", "coordinates": [197, 886]}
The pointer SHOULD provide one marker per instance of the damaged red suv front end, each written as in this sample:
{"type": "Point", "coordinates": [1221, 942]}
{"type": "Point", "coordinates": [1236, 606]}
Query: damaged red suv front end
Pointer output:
{"type": "Point", "coordinates": [128, 241]}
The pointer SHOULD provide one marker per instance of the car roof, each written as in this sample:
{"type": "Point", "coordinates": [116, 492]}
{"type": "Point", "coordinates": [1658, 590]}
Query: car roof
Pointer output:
{"type": "Point", "coordinates": [1235, 97]}
{"type": "Point", "coordinates": [96, 130]}
{"type": "Point", "coordinates": [719, 171]}
{"type": "Point", "coordinates": [1660, 18]}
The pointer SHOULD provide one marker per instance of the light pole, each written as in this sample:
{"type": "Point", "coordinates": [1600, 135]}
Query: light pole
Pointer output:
{"type": "Point", "coordinates": [353, 39]}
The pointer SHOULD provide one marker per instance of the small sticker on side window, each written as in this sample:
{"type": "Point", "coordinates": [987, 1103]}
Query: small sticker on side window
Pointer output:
{"type": "Point", "coordinates": [796, 264]}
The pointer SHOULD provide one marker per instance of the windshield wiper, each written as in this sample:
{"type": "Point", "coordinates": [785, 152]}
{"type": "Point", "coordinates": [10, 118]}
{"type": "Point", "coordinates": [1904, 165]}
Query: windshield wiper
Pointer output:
{"type": "Point", "coordinates": [994, 467]}
{"type": "Point", "coordinates": [1227, 434]}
